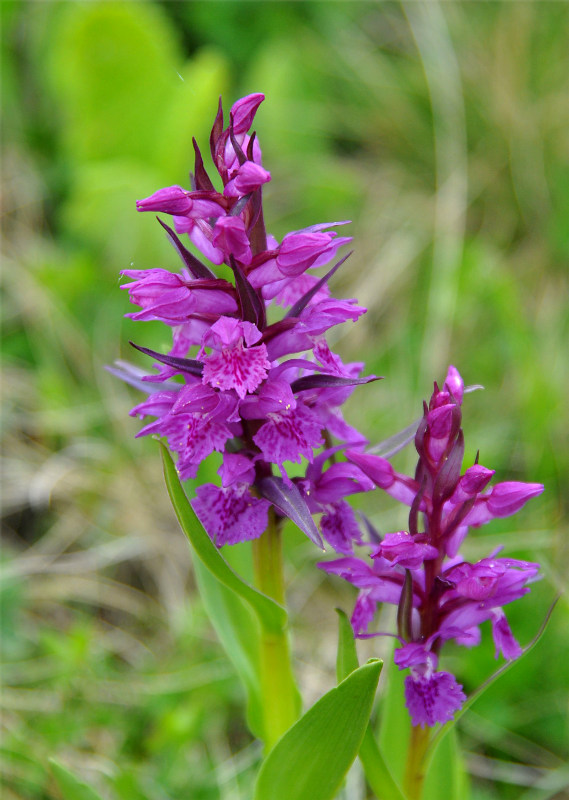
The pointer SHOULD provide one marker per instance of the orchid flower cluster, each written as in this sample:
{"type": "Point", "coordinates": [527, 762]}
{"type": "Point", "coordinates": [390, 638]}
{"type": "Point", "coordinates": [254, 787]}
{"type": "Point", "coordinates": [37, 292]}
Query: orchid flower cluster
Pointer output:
{"type": "Point", "coordinates": [439, 596]}
{"type": "Point", "coordinates": [241, 393]}
{"type": "Point", "coordinates": [250, 375]}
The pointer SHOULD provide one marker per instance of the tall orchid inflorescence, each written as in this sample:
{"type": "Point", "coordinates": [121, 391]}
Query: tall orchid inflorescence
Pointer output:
{"type": "Point", "coordinates": [438, 595]}
{"type": "Point", "coordinates": [241, 393]}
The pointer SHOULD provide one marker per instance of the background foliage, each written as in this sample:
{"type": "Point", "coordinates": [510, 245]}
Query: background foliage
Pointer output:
{"type": "Point", "coordinates": [441, 131]}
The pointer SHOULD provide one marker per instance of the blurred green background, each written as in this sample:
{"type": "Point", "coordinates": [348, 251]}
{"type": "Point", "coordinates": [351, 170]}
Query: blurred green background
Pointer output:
{"type": "Point", "coordinates": [441, 131]}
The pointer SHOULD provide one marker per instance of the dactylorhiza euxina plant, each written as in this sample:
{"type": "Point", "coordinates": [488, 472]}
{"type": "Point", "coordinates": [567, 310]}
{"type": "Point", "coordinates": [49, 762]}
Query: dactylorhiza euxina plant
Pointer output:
{"type": "Point", "coordinates": [439, 596]}
{"type": "Point", "coordinates": [242, 394]}
{"type": "Point", "coordinates": [251, 376]}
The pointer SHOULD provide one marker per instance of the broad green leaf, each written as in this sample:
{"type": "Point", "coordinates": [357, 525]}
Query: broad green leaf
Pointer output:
{"type": "Point", "coordinates": [272, 616]}
{"type": "Point", "coordinates": [312, 758]}
{"type": "Point", "coordinates": [70, 787]}
{"type": "Point", "coordinates": [238, 631]}
{"type": "Point", "coordinates": [376, 771]}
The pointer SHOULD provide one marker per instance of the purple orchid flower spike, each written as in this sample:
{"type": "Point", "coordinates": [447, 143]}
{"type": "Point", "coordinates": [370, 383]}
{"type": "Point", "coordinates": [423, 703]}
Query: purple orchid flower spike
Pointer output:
{"type": "Point", "coordinates": [439, 595]}
{"type": "Point", "coordinates": [263, 395]}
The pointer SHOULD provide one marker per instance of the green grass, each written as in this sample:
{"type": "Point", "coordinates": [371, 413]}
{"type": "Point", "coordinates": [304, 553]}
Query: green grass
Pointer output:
{"type": "Point", "coordinates": [442, 134]}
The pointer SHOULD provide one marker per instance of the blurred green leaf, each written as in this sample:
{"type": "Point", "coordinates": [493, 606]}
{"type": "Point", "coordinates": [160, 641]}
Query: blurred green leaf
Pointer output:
{"type": "Point", "coordinates": [113, 69]}
{"type": "Point", "coordinates": [127, 787]}
{"type": "Point", "coordinates": [270, 614]}
{"type": "Point", "coordinates": [218, 20]}
{"type": "Point", "coordinates": [312, 758]}
{"type": "Point", "coordinates": [70, 787]}
{"type": "Point", "coordinates": [12, 598]}
{"type": "Point", "coordinates": [190, 113]}
{"type": "Point", "coordinates": [291, 113]}
{"type": "Point", "coordinates": [100, 212]}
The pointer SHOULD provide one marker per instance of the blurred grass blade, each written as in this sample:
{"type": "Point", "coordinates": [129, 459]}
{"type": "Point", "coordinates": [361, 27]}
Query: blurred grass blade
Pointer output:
{"type": "Point", "coordinates": [395, 443]}
{"type": "Point", "coordinates": [272, 616]}
{"type": "Point", "coordinates": [312, 758]}
{"type": "Point", "coordinates": [238, 631]}
{"type": "Point", "coordinates": [70, 787]}
{"type": "Point", "coordinates": [392, 445]}
{"type": "Point", "coordinates": [376, 770]}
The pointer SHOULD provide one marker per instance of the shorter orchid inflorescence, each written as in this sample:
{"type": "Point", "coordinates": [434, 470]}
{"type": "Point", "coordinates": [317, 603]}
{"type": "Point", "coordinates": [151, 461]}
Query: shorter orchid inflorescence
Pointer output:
{"type": "Point", "coordinates": [240, 392]}
{"type": "Point", "coordinates": [439, 596]}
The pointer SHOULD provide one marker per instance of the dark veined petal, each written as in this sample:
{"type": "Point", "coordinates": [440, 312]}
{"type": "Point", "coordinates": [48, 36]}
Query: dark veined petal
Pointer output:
{"type": "Point", "coordinates": [195, 266]}
{"type": "Point", "coordinates": [190, 365]}
{"type": "Point", "coordinates": [288, 500]}
{"type": "Point", "coordinates": [327, 381]}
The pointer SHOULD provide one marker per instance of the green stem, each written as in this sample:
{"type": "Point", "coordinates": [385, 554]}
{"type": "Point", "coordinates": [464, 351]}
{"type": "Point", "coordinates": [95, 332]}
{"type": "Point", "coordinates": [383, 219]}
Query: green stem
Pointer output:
{"type": "Point", "coordinates": [416, 763]}
{"type": "Point", "coordinates": [278, 686]}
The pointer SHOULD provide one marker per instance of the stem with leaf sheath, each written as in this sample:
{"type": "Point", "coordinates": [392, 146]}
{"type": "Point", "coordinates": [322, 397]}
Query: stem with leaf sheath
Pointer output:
{"type": "Point", "coordinates": [278, 686]}
{"type": "Point", "coordinates": [416, 762]}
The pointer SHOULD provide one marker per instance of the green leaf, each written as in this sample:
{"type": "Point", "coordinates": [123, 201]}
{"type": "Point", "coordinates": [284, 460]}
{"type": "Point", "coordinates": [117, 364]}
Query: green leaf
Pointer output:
{"type": "Point", "coordinates": [376, 770]}
{"type": "Point", "coordinates": [70, 787]}
{"type": "Point", "coordinates": [312, 758]}
{"type": "Point", "coordinates": [272, 616]}
{"type": "Point", "coordinates": [238, 631]}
